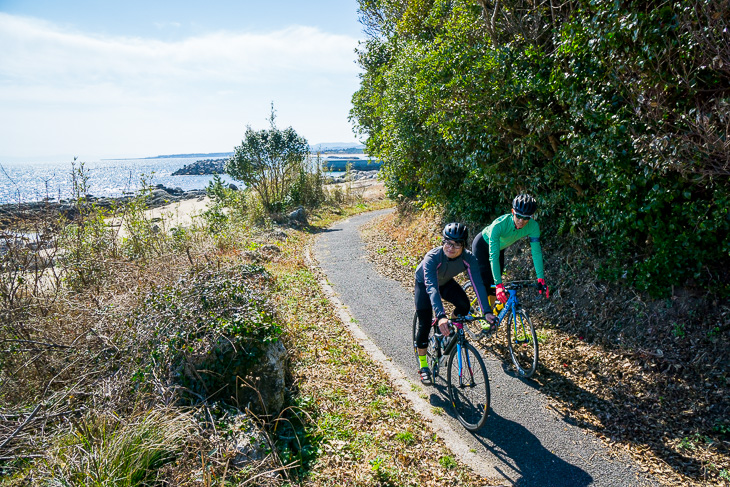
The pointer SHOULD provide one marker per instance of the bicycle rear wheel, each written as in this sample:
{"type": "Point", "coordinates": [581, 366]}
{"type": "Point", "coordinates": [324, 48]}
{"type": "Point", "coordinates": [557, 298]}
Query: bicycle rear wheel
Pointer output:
{"type": "Point", "coordinates": [468, 386]}
{"type": "Point", "coordinates": [522, 343]}
{"type": "Point", "coordinates": [473, 327]}
{"type": "Point", "coordinates": [433, 350]}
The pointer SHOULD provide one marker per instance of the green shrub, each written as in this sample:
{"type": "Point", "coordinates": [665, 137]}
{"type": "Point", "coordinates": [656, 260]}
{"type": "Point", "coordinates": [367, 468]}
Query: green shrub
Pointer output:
{"type": "Point", "coordinates": [144, 236]}
{"type": "Point", "coordinates": [268, 162]}
{"type": "Point", "coordinates": [86, 242]}
{"type": "Point", "coordinates": [613, 114]}
{"type": "Point", "coordinates": [308, 189]}
{"type": "Point", "coordinates": [178, 325]}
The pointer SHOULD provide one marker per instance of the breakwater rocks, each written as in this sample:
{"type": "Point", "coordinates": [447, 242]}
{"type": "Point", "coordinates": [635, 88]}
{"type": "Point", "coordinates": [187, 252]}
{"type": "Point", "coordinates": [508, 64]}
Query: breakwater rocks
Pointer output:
{"type": "Point", "coordinates": [354, 176]}
{"type": "Point", "coordinates": [20, 214]}
{"type": "Point", "coordinates": [331, 163]}
{"type": "Point", "coordinates": [202, 167]}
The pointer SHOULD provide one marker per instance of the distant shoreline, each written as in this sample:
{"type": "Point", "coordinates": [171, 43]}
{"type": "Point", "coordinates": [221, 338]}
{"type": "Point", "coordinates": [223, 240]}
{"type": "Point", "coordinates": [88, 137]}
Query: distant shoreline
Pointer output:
{"type": "Point", "coordinates": [319, 148]}
{"type": "Point", "coordinates": [173, 156]}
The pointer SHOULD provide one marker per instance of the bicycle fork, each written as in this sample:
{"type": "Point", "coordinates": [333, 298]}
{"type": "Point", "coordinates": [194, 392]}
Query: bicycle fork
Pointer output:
{"type": "Point", "coordinates": [521, 332]}
{"type": "Point", "coordinates": [461, 366]}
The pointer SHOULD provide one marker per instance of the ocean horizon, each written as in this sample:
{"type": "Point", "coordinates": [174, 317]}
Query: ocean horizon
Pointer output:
{"type": "Point", "coordinates": [22, 182]}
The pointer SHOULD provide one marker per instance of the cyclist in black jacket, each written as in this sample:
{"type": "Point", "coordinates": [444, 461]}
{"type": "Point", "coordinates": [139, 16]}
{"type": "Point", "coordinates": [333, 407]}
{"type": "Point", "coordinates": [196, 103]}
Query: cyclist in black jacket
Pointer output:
{"type": "Point", "coordinates": [435, 283]}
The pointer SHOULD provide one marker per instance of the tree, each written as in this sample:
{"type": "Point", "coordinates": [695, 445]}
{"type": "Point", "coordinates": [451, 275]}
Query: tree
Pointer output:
{"type": "Point", "coordinates": [615, 114]}
{"type": "Point", "coordinates": [269, 161]}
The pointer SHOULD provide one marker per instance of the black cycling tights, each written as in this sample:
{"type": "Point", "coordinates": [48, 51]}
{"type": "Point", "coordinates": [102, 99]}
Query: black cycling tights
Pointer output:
{"type": "Point", "coordinates": [480, 249]}
{"type": "Point", "coordinates": [451, 292]}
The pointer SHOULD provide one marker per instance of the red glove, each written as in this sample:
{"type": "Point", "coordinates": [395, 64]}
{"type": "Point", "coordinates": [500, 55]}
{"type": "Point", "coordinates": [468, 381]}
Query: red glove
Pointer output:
{"type": "Point", "coordinates": [544, 287]}
{"type": "Point", "coordinates": [501, 295]}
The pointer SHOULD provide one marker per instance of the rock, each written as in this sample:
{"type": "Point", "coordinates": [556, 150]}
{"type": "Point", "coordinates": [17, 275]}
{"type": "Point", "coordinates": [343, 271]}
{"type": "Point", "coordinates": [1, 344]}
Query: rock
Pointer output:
{"type": "Point", "coordinates": [259, 387]}
{"type": "Point", "coordinates": [354, 175]}
{"type": "Point", "coordinates": [205, 166]}
{"type": "Point", "coordinates": [160, 197]}
{"type": "Point", "coordinates": [251, 444]}
{"type": "Point", "coordinates": [271, 248]}
{"type": "Point", "coordinates": [233, 187]}
{"type": "Point", "coordinates": [266, 393]}
{"type": "Point", "coordinates": [278, 235]}
{"type": "Point", "coordinates": [13, 214]}
{"type": "Point", "coordinates": [299, 215]}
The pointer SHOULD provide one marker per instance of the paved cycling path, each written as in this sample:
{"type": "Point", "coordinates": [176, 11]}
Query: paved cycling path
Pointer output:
{"type": "Point", "coordinates": [524, 442]}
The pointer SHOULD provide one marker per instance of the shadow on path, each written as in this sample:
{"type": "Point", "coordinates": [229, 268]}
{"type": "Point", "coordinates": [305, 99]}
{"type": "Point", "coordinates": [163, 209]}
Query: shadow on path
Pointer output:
{"type": "Point", "coordinates": [525, 458]}
{"type": "Point", "coordinates": [514, 445]}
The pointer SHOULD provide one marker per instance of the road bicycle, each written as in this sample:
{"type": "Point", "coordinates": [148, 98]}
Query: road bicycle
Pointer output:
{"type": "Point", "coordinates": [521, 337]}
{"type": "Point", "coordinates": [466, 374]}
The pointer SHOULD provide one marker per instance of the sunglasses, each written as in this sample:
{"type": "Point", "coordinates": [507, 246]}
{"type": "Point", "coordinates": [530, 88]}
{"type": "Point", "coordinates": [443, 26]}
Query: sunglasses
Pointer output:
{"type": "Point", "coordinates": [453, 245]}
{"type": "Point", "coordinates": [523, 217]}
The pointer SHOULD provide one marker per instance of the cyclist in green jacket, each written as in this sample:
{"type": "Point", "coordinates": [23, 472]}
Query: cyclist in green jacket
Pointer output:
{"type": "Point", "coordinates": [488, 246]}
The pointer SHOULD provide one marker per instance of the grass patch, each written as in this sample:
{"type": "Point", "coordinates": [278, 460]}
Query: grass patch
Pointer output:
{"type": "Point", "coordinates": [106, 450]}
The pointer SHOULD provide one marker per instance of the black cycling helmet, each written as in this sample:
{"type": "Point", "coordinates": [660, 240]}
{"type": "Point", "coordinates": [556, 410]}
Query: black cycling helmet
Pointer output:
{"type": "Point", "coordinates": [524, 204]}
{"type": "Point", "coordinates": [456, 232]}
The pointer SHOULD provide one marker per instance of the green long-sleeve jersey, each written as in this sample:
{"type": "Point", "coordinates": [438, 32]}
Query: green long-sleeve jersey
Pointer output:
{"type": "Point", "coordinates": [502, 233]}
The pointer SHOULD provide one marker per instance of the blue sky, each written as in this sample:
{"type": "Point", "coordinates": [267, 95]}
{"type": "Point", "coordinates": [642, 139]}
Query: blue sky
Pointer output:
{"type": "Point", "coordinates": [105, 79]}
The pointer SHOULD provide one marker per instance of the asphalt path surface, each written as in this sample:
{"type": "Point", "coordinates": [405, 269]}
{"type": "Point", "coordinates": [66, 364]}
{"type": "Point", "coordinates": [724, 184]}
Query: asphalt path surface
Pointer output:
{"type": "Point", "coordinates": [524, 442]}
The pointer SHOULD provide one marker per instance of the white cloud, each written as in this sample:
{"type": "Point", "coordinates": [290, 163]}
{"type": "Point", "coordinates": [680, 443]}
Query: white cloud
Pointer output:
{"type": "Point", "coordinates": [165, 25]}
{"type": "Point", "coordinates": [35, 50]}
{"type": "Point", "coordinates": [43, 65]}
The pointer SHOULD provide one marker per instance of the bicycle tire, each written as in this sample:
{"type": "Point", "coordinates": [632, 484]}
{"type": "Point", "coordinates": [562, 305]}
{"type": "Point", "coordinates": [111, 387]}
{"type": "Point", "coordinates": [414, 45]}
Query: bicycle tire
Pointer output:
{"type": "Point", "coordinates": [469, 393]}
{"type": "Point", "coordinates": [522, 343]}
{"type": "Point", "coordinates": [433, 350]}
{"type": "Point", "coordinates": [474, 328]}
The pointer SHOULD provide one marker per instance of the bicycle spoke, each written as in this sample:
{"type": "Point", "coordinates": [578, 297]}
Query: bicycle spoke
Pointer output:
{"type": "Point", "coordinates": [522, 343]}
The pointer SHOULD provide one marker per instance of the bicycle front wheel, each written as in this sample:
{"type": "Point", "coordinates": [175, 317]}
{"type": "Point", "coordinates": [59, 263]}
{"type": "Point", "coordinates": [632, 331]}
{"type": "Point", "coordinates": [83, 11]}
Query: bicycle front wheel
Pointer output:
{"type": "Point", "coordinates": [468, 386]}
{"type": "Point", "coordinates": [522, 343]}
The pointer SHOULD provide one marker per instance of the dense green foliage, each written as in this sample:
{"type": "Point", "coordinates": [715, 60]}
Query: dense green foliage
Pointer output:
{"type": "Point", "coordinates": [269, 162]}
{"type": "Point", "coordinates": [614, 114]}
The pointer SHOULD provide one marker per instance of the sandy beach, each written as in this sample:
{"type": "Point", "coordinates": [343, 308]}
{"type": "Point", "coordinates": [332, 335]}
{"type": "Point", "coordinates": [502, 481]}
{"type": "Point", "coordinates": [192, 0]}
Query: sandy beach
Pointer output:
{"type": "Point", "coordinates": [183, 213]}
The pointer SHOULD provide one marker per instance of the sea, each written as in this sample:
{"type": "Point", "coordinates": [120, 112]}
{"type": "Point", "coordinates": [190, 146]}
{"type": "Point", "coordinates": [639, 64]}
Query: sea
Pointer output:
{"type": "Point", "coordinates": [30, 181]}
